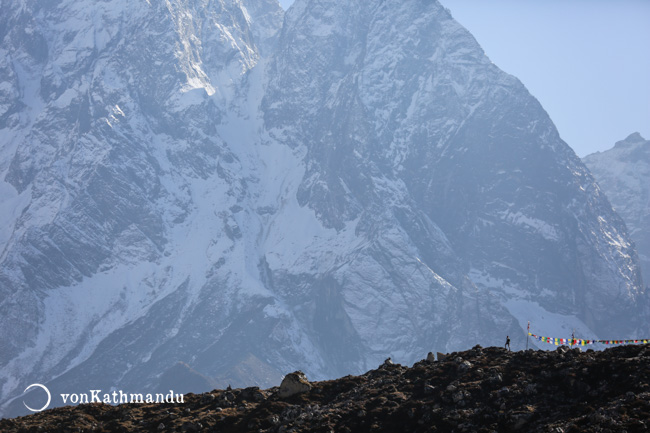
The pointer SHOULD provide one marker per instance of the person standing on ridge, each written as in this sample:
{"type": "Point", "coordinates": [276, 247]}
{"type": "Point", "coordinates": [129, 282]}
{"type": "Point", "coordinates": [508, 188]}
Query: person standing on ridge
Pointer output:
{"type": "Point", "coordinates": [507, 346]}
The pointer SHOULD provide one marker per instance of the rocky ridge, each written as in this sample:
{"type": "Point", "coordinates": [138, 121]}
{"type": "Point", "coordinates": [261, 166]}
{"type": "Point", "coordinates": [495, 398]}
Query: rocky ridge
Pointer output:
{"type": "Point", "coordinates": [479, 390]}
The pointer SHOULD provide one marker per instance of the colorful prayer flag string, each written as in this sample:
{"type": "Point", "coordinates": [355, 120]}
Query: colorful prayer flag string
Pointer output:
{"type": "Point", "coordinates": [583, 342]}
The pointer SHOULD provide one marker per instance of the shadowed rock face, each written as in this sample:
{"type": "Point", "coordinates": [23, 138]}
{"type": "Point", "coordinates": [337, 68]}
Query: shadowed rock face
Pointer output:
{"type": "Point", "coordinates": [415, 131]}
{"type": "Point", "coordinates": [478, 390]}
{"type": "Point", "coordinates": [209, 182]}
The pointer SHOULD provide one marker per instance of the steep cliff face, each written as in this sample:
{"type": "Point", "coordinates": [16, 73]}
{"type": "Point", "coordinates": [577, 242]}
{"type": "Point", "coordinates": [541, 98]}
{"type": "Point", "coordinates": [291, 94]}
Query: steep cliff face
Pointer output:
{"type": "Point", "coordinates": [623, 173]}
{"type": "Point", "coordinates": [197, 181]}
{"type": "Point", "coordinates": [414, 119]}
{"type": "Point", "coordinates": [342, 91]}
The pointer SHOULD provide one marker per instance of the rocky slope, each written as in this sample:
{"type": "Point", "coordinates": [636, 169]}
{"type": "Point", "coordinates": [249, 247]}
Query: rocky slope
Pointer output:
{"type": "Point", "coordinates": [202, 181]}
{"type": "Point", "coordinates": [480, 390]}
{"type": "Point", "coordinates": [623, 173]}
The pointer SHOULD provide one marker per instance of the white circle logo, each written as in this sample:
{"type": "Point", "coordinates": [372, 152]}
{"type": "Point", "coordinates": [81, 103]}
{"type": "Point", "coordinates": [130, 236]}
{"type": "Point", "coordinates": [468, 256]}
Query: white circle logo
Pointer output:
{"type": "Point", "coordinates": [49, 397]}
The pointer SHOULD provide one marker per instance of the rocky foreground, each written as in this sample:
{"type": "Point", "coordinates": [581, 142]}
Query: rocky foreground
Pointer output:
{"type": "Point", "coordinates": [480, 390]}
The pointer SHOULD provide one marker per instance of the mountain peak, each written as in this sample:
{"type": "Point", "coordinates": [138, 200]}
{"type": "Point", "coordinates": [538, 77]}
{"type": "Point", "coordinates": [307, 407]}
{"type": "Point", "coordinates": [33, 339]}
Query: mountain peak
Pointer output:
{"type": "Point", "coordinates": [632, 139]}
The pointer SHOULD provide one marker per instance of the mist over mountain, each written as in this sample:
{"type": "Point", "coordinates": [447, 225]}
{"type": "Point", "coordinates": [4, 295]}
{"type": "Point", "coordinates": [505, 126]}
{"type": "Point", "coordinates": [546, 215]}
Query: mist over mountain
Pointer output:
{"type": "Point", "coordinates": [251, 193]}
{"type": "Point", "coordinates": [623, 173]}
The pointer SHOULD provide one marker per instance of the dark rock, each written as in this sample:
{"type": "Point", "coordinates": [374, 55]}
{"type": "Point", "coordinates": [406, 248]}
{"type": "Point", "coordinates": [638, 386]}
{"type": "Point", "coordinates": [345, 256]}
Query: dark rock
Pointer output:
{"type": "Point", "coordinates": [464, 366]}
{"type": "Point", "coordinates": [207, 398]}
{"type": "Point", "coordinates": [191, 427]}
{"type": "Point", "coordinates": [252, 394]}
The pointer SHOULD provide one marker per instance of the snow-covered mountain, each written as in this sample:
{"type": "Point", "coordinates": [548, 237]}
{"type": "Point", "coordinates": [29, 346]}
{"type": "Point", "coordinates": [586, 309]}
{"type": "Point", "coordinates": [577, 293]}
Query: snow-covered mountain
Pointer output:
{"type": "Point", "coordinates": [119, 173]}
{"type": "Point", "coordinates": [623, 172]}
{"type": "Point", "coordinates": [208, 182]}
{"type": "Point", "coordinates": [413, 121]}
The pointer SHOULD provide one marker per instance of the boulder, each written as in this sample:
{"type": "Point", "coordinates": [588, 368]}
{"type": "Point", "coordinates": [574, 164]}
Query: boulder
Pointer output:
{"type": "Point", "coordinates": [294, 383]}
{"type": "Point", "coordinates": [464, 366]}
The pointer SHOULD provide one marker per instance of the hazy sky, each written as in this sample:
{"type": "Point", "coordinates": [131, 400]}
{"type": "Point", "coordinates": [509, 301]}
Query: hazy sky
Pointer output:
{"type": "Point", "coordinates": [586, 61]}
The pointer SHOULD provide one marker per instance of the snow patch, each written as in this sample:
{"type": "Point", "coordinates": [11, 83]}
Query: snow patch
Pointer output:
{"type": "Point", "coordinates": [546, 230]}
